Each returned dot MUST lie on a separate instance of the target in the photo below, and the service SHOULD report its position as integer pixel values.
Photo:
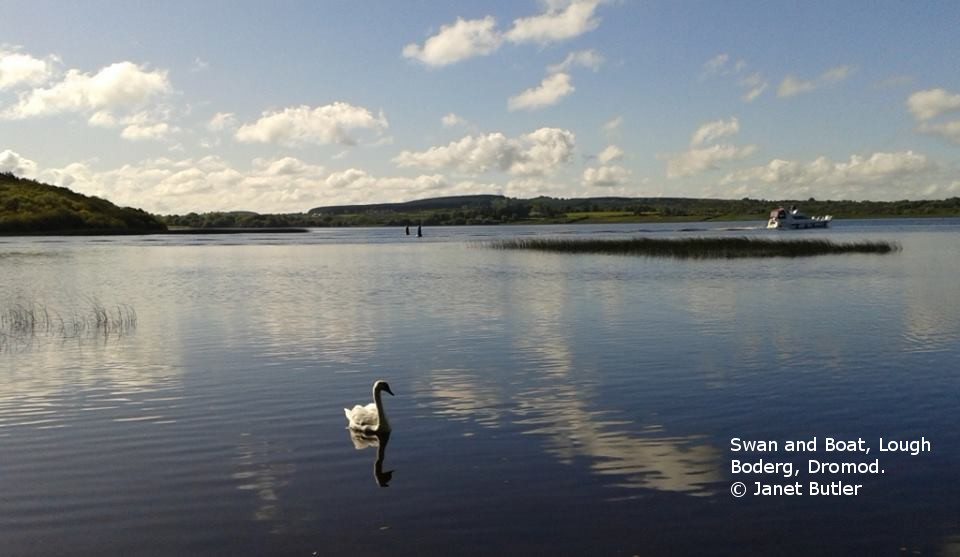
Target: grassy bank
(697, 248)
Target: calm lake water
(545, 403)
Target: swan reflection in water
(362, 441)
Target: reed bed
(697, 248)
(24, 320)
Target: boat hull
(796, 224)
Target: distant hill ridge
(642, 208)
(487, 200)
(605, 203)
(31, 207)
(450, 202)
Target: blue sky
(284, 106)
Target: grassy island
(697, 248)
(30, 207)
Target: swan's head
(382, 385)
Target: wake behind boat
(781, 218)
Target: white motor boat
(782, 218)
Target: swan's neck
(381, 415)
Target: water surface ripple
(545, 403)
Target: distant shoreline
(302, 230)
(239, 230)
(206, 231)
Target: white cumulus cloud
(286, 166)
(139, 126)
(880, 175)
(719, 65)
(17, 68)
(278, 185)
(701, 156)
(557, 84)
(16, 164)
(302, 125)
(468, 38)
(610, 154)
(792, 85)
(948, 130)
(117, 87)
(716, 64)
(461, 40)
(199, 65)
(606, 176)
(537, 153)
(930, 103)
(222, 121)
(714, 130)
(393, 188)
(755, 85)
(561, 21)
(142, 132)
(584, 58)
(553, 88)
(451, 120)
(696, 161)
(858, 168)
(612, 124)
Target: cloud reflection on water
(552, 396)
(263, 468)
(563, 407)
(456, 396)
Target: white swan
(370, 418)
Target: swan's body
(370, 418)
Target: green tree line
(546, 210)
(27, 207)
